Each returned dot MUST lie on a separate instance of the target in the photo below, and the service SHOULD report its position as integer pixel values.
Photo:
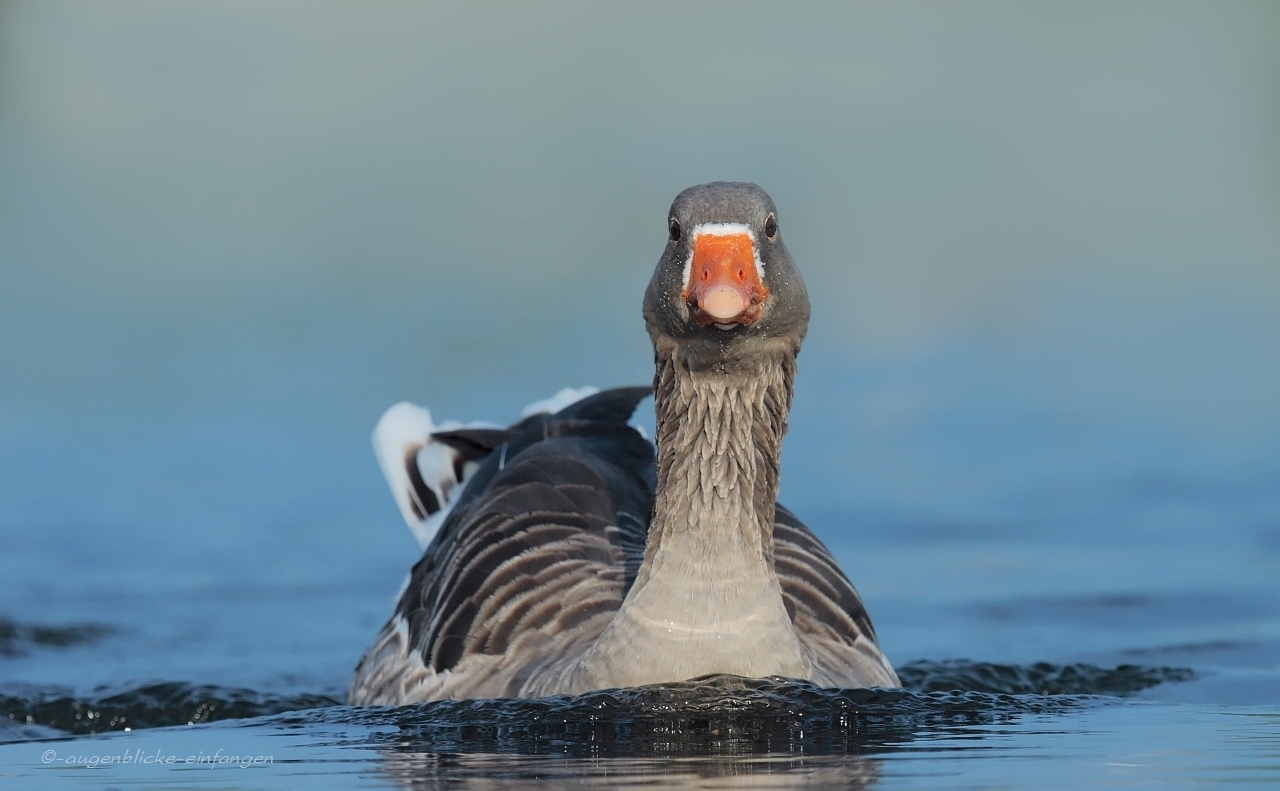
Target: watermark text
(157, 757)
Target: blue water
(1037, 417)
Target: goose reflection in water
(428, 770)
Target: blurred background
(1042, 244)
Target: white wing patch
(427, 477)
(423, 474)
(562, 399)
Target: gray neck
(706, 598)
(719, 436)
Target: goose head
(725, 291)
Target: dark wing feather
(538, 552)
(827, 612)
(474, 444)
(546, 509)
(608, 406)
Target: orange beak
(724, 285)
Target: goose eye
(674, 226)
(770, 226)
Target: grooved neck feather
(706, 598)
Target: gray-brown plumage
(576, 560)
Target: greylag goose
(564, 554)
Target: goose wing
(826, 611)
(532, 561)
(426, 473)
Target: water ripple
(1041, 678)
(709, 714)
(18, 639)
